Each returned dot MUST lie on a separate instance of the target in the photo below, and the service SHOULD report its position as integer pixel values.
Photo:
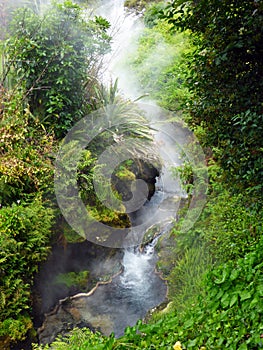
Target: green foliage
(24, 237)
(70, 279)
(223, 79)
(214, 271)
(186, 175)
(153, 14)
(228, 315)
(96, 206)
(25, 154)
(162, 75)
(235, 225)
(187, 277)
(85, 177)
(125, 174)
(80, 340)
(127, 115)
(15, 328)
(25, 218)
(54, 57)
(138, 5)
(229, 226)
(127, 121)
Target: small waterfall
(114, 305)
(139, 266)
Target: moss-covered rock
(78, 279)
(129, 171)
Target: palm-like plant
(126, 120)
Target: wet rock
(71, 313)
(101, 263)
(139, 169)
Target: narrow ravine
(128, 296)
(121, 301)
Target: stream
(135, 287)
(120, 301)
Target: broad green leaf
(260, 289)
(225, 300)
(189, 323)
(234, 274)
(233, 300)
(245, 295)
(192, 343)
(223, 277)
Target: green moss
(79, 279)
(110, 217)
(125, 174)
(150, 234)
(70, 235)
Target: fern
(2, 299)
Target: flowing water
(130, 295)
(113, 306)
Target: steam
(138, 289)
(36, 5)
(125, 29)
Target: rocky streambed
(106, 289)
(70, 269)
(114, 304)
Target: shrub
(55, 58)
(24, 237)
(26, 153)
